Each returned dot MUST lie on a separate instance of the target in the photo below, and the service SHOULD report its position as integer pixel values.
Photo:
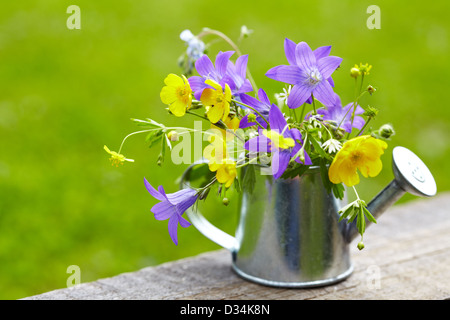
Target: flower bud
(354, 72)
(386, 131)
(360, 245)
(173, 135)
(251, 117)
(371, 89)
(225, 201)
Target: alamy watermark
(74, 20)
(75, 277)
(374, 20)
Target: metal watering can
(289, 235)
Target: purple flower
(223, 72)
(172, 207)
(336, 113)
(308, 74)
(262, 105)
(238, 74)
(281, 141)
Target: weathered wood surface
(407, 256)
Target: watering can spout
(410, 175)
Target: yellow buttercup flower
(278, 140)
(116, 158)
(177, 94)
(361, 153)
(216, 101)
(226, 171)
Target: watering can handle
(202, 224)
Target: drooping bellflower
(172, 207)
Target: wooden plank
(407, 256)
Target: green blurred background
(65, 93)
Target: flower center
(356, 157)
(314, 76)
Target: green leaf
(324, 175)
(338, 190)
(346, 211)
(153, 137)
(369, 216)
(318, 148)
(148, 123)
(361, 222)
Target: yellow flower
(216, 101)
(116, 158)
(177, 94)
(226, 171)
(278, 140)
(216, 151)
(362, 153)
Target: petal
(280, 161)
(322, 52)
(298, 96)
(289, 50)
(153, 191)
(221, 63)
(287, 74)
(168, 94)
(253, 102)
(205, 67)
(304, 56)
(262, 96)
(208, 97)
(277, 120)
(173, 228)
(163, 210)
(324, 93)
(214, 114)
(178, 108)
(328, 65)
(183, 222)
(241, 66)
(173, 80)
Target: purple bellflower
(281, 141)
(223, 72)
(262, 105)
(172, 207)
(238, 74)
(308, 74)
(343, 115)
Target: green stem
(303, 111)
(207, 31)
(364, 127)
(313, 103)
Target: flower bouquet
(305, 125)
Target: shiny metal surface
(289, 233)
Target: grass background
(65, 93)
